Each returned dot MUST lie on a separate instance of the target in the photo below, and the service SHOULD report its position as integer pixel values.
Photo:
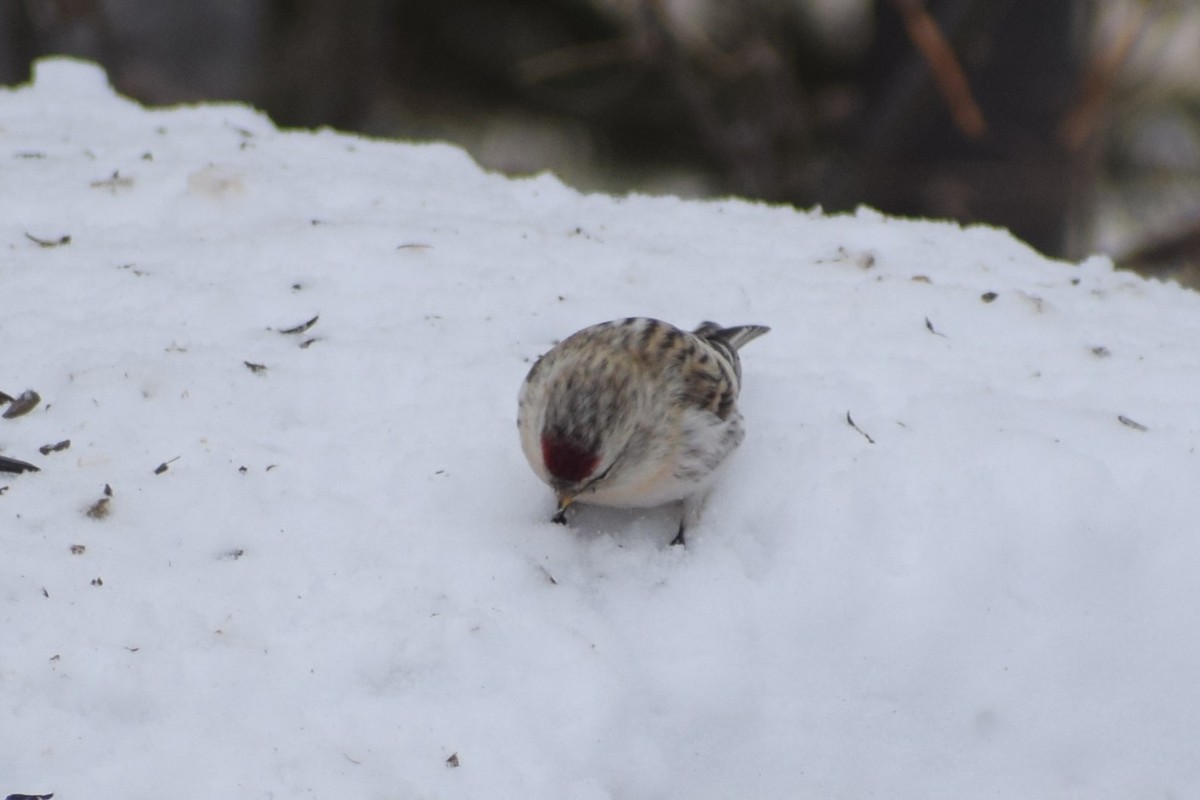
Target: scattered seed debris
(921, 279)
(58, 447)
(22, 405)
(15, 466)
(452, 761)
(232, 555)
(164, 466)
(1129, 423)
(307, 343)
(78, 549)
(302, 327)
(546, 572)
(850, 422)
(863, 259)
(1101, 352)
(31, 796)
(97, 581)
(40, 242)
(243, 469)
(132, 649)
(30, 154)
(113, 183)
(929, 326)
(988, 297)
(47, 596)
(100, 509)
(415, 246)
(255, 368)
(1039, 305)
(132, 268)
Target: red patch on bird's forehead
(566, 461)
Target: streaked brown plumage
(634, 413)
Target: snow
(347, 580)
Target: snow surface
(347, 582)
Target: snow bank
(344, 581)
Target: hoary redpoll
(635, 413)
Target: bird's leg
(689, 515)
(560, 516)
(686, 515)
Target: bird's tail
(736, 337)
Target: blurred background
(1074, 123)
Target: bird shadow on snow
(598, 541)
(605, 551)
(624, 527)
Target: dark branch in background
(951, 81)
(1166, 253)
(574, 58)
(18, 48)
(745, 105)
(1080, 124)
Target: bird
(635, 413)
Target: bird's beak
(564, 502)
